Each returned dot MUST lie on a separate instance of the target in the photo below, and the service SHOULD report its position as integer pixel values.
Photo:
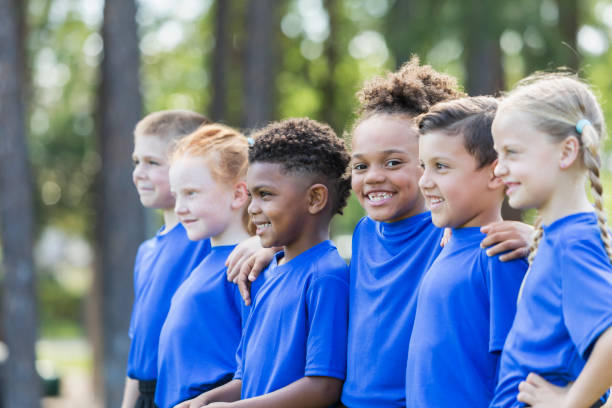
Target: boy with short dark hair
(293, 348)
(467, 300)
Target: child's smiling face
(385, 167)
(150, 174)
(203, 205)
(279, 204)
(457, 192)
(527, 159)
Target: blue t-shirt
(297, 326)
(198, 342)
(162, 264)
(565, 306)
(388, 262)
(465, 309)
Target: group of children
(437, 307)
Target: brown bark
(261, 26)
(21, 387)
(121, 220)
(220, 63)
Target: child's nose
(425, 181)
(500, 170)
(179, 206)
(374, 175)
(253, 207)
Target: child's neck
(232, 235)
(571, 200)
(170, 220)
(306, 241)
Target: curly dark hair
(306, 146)
(412, 89)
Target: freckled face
(385, 168)
(203, 205)
(150, 174)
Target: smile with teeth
(434, 201)
(262, 227)
(378, 196)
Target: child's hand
(512, 237)
(250, 270)
(240, 255)
(446, 237)
(197, 402)
(536, 392)
(218, 405)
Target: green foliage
(326, 49)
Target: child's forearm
(228, 392)
(130, 393)
(596, 376)
(307, 392)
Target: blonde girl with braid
(547, 133)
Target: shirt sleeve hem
(585, 345)
(325, 372)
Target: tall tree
(261, 25)
(22, 384)
(481, 32)
(221, 58)
(121, 219)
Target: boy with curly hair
(293, 347)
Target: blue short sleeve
(586, 278)
(503, 278)
(328, 320)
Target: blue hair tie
(581, 124)
(251, 141)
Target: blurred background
(76, 76)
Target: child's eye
(393, 163)
(441, 166)
(422, 165)
(135, 162)
(359, 166)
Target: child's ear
(317, 197)
(570, 150)
(494, 181)
(241, 195)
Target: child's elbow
(328, 388)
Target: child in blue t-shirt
(559, 351)
(293, 348)
(396, 242)
(467, 300)
(164, 261)
(198, 341)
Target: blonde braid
(533, 249)
(592, 162)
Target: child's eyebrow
(385, 152)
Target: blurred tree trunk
(22, 387)
(399, 30)
(120, 226)
(261, 24)
(331, 52)
(483, 65)
(568, 30)
(220, 63)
